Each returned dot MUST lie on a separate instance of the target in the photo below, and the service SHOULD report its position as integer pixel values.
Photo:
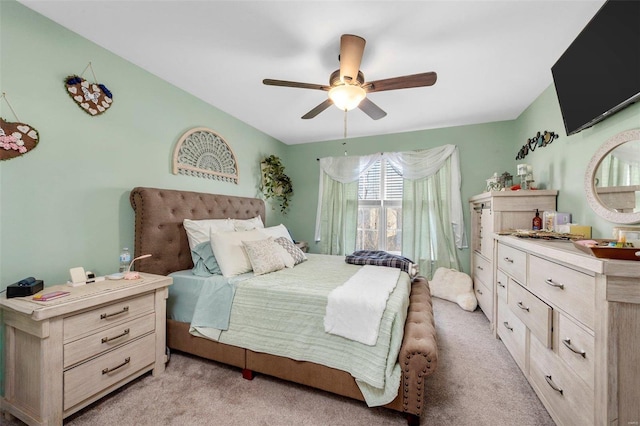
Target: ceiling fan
(347, 87)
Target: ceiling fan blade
(404, 82)
(317, 110)
(284, 83)
(351, 50)
(371, 109)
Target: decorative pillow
(230, 253)
(248, 224)
(204, 262)
(297, 255)
(199, 231)
(264, 256)
(454, 286)
(277, 231)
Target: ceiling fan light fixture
(347, 96)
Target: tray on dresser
(602, 250)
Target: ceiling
(493, 58)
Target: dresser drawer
(566, 396)
(85, 348)
(501, 285)
(482, 270)
(576, 349)
(569, 290)
(106, 316)
(512, 332)
(513, 262)
(485, 299)
(87, 379)
(533, 312)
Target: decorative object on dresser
(572, 323)
(494, 212)
(201, 152)
(93, 98)
(417, 355)
(63, 354)
(275, 183)
(16, 138)
(609, 196)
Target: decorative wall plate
(16, 139)
(92, 98)
(201, 152)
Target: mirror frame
(592, 197)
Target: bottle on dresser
(536, 223)
(125, 259)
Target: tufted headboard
(158, 223)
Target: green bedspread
(282, 314)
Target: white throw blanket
(354, 309)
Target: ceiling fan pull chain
(345, 133)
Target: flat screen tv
(599, 74)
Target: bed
(159, 215)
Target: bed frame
(158, 230)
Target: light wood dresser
(66, 353)
(572, 323)
(493, 212)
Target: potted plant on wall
(275, 183)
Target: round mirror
(612, 180)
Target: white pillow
(454, 286)
(277, 231)
(199, 231)
(248, 224)
(230, 253)
(264, 256)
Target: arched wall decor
(201, 152)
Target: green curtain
(338, 217)
(427, 234)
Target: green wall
(65, 203)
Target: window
(380, 209)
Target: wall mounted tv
(599, 74)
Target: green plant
(275, 183)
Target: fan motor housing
(334, 79)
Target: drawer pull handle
(552, 284)
(500, 284)
(567, 343)
(506, 259)
(506, 324)
(479, 291)
(123, 311)
(108, 339)
(480, 267)
(111, 370)
(553, 385)
(521, 306)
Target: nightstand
(303, 245)
(64, 354)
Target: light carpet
(476, 383)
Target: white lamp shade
(347, 96)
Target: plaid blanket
(382, 258)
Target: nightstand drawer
(110, 338)
(87, 379)
(570, 290)
(513, 262)
(533, 312)
(485, 298)
(106, 316)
